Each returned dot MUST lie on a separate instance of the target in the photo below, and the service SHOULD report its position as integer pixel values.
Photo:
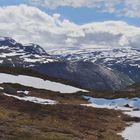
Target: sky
(85, 14)
(76, 24)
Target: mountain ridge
(86, 74)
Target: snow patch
(131, 132)
(33, 99)
(24, 92)
(38, 83)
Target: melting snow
(24, 92)
(131, 132)
(1, 88)
(33, 99)
(38, 83)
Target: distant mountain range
(97, 70)
(123, 59)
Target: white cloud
(129, 8)
(29, 24)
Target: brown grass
(24, 120)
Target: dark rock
(136, 109)
(127, 105)
(9, 90)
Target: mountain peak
(34, 49)
(29, 48)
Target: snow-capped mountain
(15, 54)
(125, 59)
(73, 67)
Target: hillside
(45, 114)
